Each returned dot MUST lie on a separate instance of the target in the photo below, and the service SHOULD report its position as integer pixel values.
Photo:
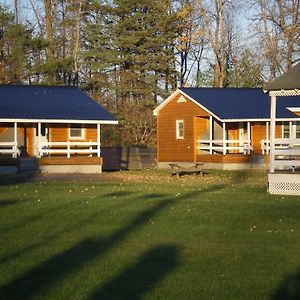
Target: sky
(25, 8)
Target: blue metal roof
(49, 102)
(241, 103)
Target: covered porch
(284, 166)
(51, 147)
(54, 122)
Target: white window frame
(296, 127)
(179, 132)
(286, 130)
(81, 137)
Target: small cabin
(55, 128)
(226, 128)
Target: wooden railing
(224, 146)
(287, 152)
(10, 148)
(68, 148)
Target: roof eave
(61, 121)
(165, 102)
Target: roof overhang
(165, 102)
(260, 120)
(282, 93)
(58, 121)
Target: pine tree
(15, 48)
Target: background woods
(128, 55)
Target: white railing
(280, 144)
(287, 152)
(224, 146)
(68, 148)
(9, 148)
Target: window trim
(79, 126)
(179, 136)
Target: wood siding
(233, 133)
(60, 133)
(27, 139)
(201, 131)
(258, 133)
(168, 147)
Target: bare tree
(77, 38)
(279, 28)
(218, 22)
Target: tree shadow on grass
(140, 278)
(52, 235)
(11, 202)
(289, 289)
(155, 196)
(56, 268)
(16, 179)
(44, 275)
(34, 218)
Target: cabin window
(179, 129)
(286, 130)
(297, 129)
(76, 132)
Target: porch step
(28, 165)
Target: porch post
(224, 138)
(248, 137)
(210, 134)
(98, 140)
(39, 139)
(267, 137)
(272, 133)
(291, 135)
(15, 153)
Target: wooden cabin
(55, 126)
(225, 128)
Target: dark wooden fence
(128, 158)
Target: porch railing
(68, 148)
(287, 152)
(280, 144)
(224, 146)
(10, 148)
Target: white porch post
(224, 138)
(210, 134)
(98, 140)
(291, 134)
(15, 140)
(267, 137)
(272, 133)
(39, 139)
(248, 137)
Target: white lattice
(284, 184)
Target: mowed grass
(145, 235)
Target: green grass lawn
(145, 235)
